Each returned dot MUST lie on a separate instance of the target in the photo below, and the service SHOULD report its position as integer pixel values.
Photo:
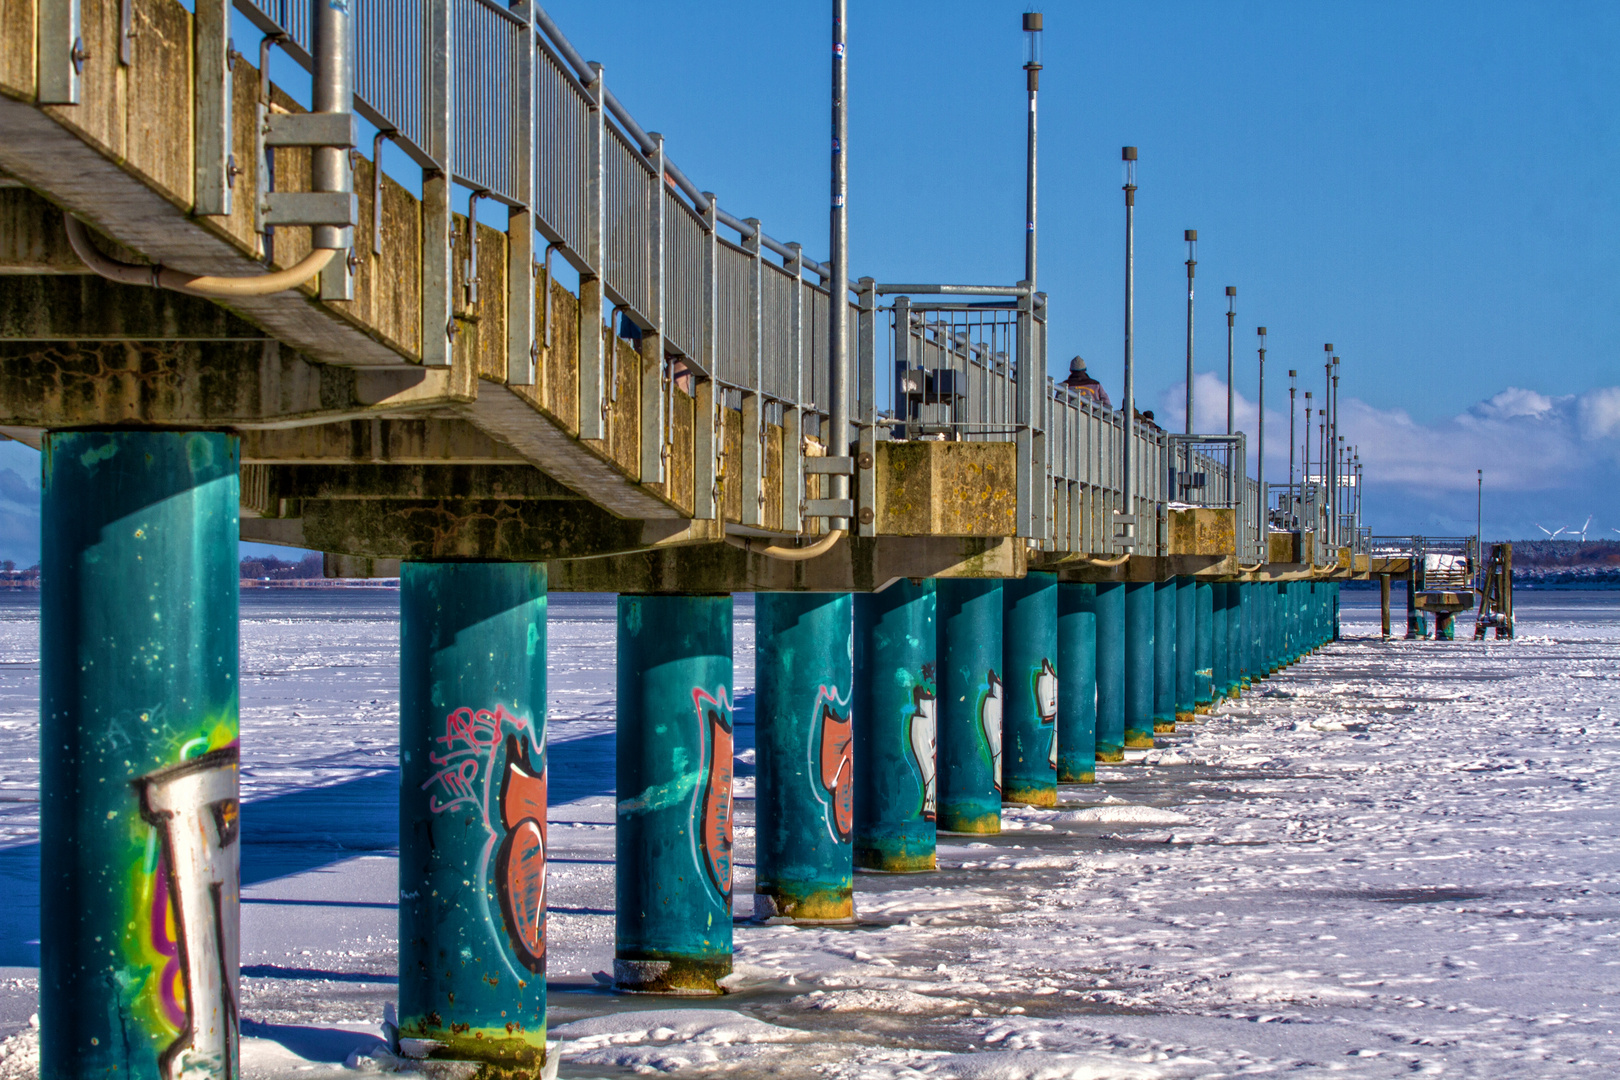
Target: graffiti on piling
(486, 762)
(835, 762)
(193, 807)
(714, 833)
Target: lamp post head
(1127, 155)
(1328, 348)
(1032, 48)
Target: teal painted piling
(972, 700)
(1139, 663)
(804, 809)
(1077, 676)
(1204, 664)
(472, 812)
(1245, 632)
(1164, 656)
(1220, 635)
(139, 850)
(1029, 649)
(1186, 649)
(1111, 652)
(896, 724)
(674, 826)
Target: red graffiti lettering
(837, 764)
(715, 833)
(520, 864)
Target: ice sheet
(1394, 858)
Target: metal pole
(1191, 236)
(1260, 475)
(1327, 446)
(1127, 462)
(332, 91)
(1333, 418)
(1305, 452)
(838, 302)
(1032, 66)
(1292, 504)
(1231, 321)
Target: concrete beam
(853, 565)
(241, 384)
(403, 441)
(84, 307)
(31, 241)
(513, 530)
(505, 482)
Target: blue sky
(1429, 187)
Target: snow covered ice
(1392, 859)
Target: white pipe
(165, 277)
(788, 554)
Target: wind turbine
(1550, 535)
(1588, 525)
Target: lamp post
(1305, 452)
(1231, 321)
(1127, 462)
(1327, 446)
(1191, 236)
(1333, 419)
(1260, 455)
(1032, 67)
(1293, 511)
(838, 255)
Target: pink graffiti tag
(469, 739)
(512, 803)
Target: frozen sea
(1392, 859)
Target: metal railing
(493, 96)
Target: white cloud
(1550, 459)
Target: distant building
(1085, 384)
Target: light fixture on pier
(1127, 156)
(1292, 512)
(1231, 323)
(1191, 236)
(1260, 453)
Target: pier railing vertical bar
(438, 132)
(592, 346)
(521, 271)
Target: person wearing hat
(1084, 383)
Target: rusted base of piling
(680, 975)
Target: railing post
(211, 109)
(655, 402)
(704, 446)
(592, 359)
(330, 170)
(865, 492)
(793, 492)
(1039, 416)
(521, 269)
(753, 401)
(903, 360)
(438, 78)
(61, 55)
(1024, 394)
